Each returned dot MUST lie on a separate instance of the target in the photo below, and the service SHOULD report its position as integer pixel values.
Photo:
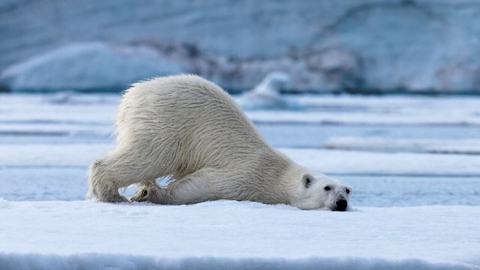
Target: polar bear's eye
(347, 190)
(327, 188)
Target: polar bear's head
(318, 192)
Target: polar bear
(189, 129)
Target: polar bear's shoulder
(177, 82)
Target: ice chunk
(89, 66)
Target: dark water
(70, 183)
(279, 135)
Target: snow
(413, 163)
(269, 235)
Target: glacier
(369, 46)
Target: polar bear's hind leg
(101, 183)
(118, 169)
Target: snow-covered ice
(251, 233)
(443, 146)
(413, 163)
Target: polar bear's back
(188, 118)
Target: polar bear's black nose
(341, 205)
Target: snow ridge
(126, 262)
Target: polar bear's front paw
(141, 195)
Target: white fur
(189, 129)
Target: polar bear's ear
(307, 180)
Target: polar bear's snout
(341, 204)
